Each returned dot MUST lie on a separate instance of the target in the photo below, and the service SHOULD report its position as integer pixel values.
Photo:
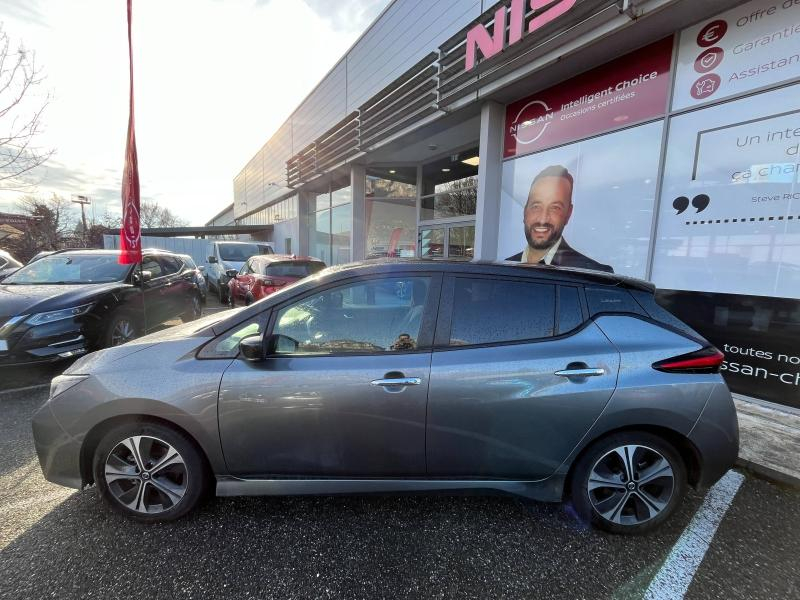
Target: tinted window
(614, 300)
(382, 315)
(189, 262)
(661, 314)
(293, 269)
(237, 252)
(570, 315)
(149, 263)
(487, 311)
(170, 264)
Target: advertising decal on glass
(753, 45)
(730, 207)
(585, 205)
(626, 91)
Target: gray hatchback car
(546, 383)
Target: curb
(768, 473)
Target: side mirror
(232, 273)
(142, 277)
(252, 348)
(280, 344)
(212, 260)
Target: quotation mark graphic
(700, 202)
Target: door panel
(501, 411)
(320, 415)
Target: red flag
(130, 235)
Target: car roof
(109, 251)
(534, 271)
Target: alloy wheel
(146, 474)
(123, 332)
(631, 485)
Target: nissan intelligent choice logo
(531, 122)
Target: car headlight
(62, 383)
(59, 315)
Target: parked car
(226, 256)
(261, 276)
(75, 301)
(8, 264)
(198, 277)
(265, 248)
(548, 383)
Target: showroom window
(330, 224)
(450, 187)
(391, 204)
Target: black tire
(249, 299)
(116, 332)
(189, 478)
(222, 291)
(195, 309)
(633, 510)
(231, 300)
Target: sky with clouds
(213, 80)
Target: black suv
(76, 301)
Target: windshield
(70, 268)
(293, 269)
(237, 252)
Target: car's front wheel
(222, 290)
(629, 482)
(194, 310)
(123, 328)
(149, 472)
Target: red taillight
(707, 360)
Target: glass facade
(330, 225)
(391, 201)
(450, 187)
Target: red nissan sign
(621, 93)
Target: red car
(262, 275)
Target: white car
(224, 256)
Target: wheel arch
(682, 444)
(92, 440)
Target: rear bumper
(716, 436)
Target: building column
(490, 176)
(305, 207)
(358, 232)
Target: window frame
(447, 303)
(427, 324)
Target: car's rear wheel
(149, 472)
(249, 299)
(123, 328)
(195, 309)
(222, 291)
(629, 483)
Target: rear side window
(487, 311)
(611, 300)
(171, 265)
(662, 315)
(570, 315)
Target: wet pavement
(61, 543)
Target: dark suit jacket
(567, 257)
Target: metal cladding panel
(239, 194)
(254, 180)
(275, 153)
(326, 106)
(408, 31)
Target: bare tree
(20, 116)
(52, 228)
(152, 214)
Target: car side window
(149, 263)
(570, 314)
(170, 265)
(245, 268)
(487, 311)
(376, 316)
(227, 345)
(251, 267)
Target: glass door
(454, 241)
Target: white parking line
(677, 572)
(26, 389)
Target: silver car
(547, 383)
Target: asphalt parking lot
(56, 542)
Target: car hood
(29, 299)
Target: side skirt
(545, 490)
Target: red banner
(130, 238)
(626, 91)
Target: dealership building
(670, 129)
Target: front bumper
(24, 345)
(59, 453)
(716, 436)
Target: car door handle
(395, 382)
(580, 373)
